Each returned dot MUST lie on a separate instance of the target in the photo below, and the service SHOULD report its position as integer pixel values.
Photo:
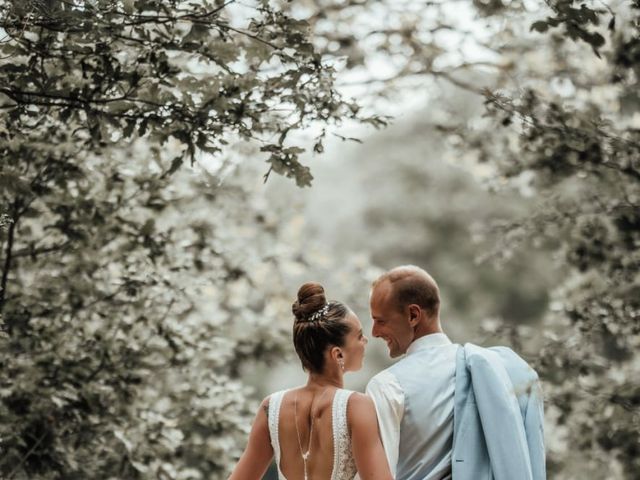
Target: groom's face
(389, 321)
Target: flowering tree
(127, 285)
(582, 154)
(559, 80)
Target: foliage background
(147, 271)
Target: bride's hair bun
(318, 325)
(311, 298)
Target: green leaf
(176, 163)
(128, 6)
(129, 128)
(148, 228)
(540, 26)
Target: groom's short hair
(412, 285)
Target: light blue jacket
(498, 417)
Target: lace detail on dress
(275, 400)
(344, 465)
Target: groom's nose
(374, 331)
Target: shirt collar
(431, 340)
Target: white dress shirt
(427, 374)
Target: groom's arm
(388, 398)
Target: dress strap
(275, 400)
(342, 457)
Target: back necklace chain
(305, 455)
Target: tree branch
(34, 252)
(27, 455)
(8, 255)
(427, 71)
(630, 171)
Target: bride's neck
(325, 379)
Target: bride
(318, 431)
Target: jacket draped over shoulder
(498, 417)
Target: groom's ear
(415, 313)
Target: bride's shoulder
(359, 397)
(271, 401)
(360, 402)
(361, 410)
(279, 393)
(275, 397)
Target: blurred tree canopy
(583, 157)
(113, 363)
(560, 80)
(128, 283)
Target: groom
(449, 411)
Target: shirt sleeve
(388, 398)
(534, 428)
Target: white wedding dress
(344, 466)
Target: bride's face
(355, 341)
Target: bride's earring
(341, 363)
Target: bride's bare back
(320, 462)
